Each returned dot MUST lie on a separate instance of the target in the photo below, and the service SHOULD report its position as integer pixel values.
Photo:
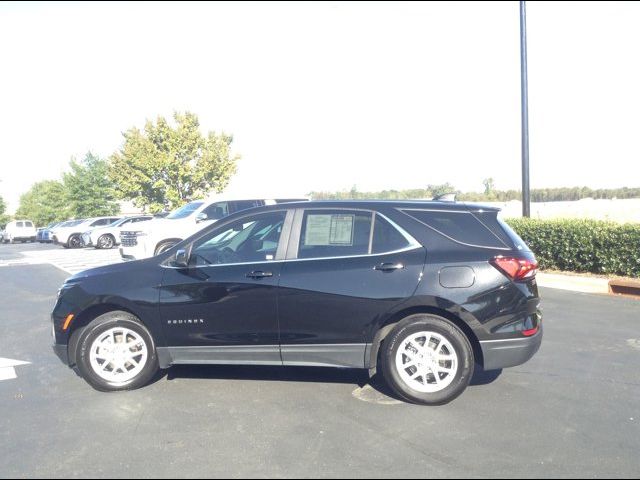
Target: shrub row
(582, 245)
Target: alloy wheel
(426, 362)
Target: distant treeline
(537, 194)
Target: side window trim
(282, 244)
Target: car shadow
(356, 377)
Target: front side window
(28, 224)
(251, 239)
(335, 233)
(19, 224)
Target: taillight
(515, 268)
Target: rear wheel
(106, 241)
(116, 352)
(427, 359)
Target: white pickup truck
(158, 235)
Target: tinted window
(386, 237)
(102, 221)
(19, 224)
(217, 210)
(460, 226)
(244, 204)
(184, 212)
(334, 233)
(28, 224)
(251, 239)
(141, 219)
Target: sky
(324, 96)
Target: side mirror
(181, 259)
(201, 217)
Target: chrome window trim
(404, 210)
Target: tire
(106, 241)
(74, 241)
(120, 373)
(448, 350)
(164, 246)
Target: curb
(573, 282)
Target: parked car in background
(109, 236)
(69, 235)
(2, 234)
(420, 292)
(159, 235)
(44, 233)
(20, 231)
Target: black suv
(419, 290)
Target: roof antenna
(445, 197)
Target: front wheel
(164, 246)
(427, 359)
(106, 241)
(116, 352)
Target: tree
(44, 203)
(489, 186)
(89, 190)
(167, 166)
(4, 219)
(437, 190)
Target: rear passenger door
(345, 268)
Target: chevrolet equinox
(418, 291)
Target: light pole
(524, 92)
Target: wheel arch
(87, 316)
(384, 330)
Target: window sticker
(342, 229)
(325, 230)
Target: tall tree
(88, 188)
(4, 219)
(167, 166)
(44, 203)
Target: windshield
(72, 223)
(119, 222)
(184, 212)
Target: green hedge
(582, 245)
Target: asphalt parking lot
(572, 411)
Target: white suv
(20, 230)
(109, 236)
(69, 234)
(161, 234)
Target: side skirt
(338, 355)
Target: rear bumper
(62, 352)
(510, 353)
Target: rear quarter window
(460, 226)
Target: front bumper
(62, 352)
(511, 352)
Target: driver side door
(223, 307)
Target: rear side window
(28, 224)
(387, 238)
(460, 226)
(335, 233)
(216, 211)
(244, 204)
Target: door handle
(257, 274)
(388, 267)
